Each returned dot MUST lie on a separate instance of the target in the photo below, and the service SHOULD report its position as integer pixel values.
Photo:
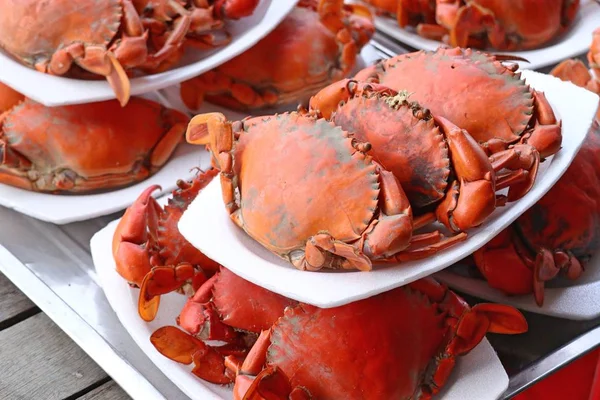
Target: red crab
(106, 37)
(488, 99)
(331, 208)
(149, 251)
(560, 232)
(281, 68)
(552, 235)
(87, 147)
(435, 161)
(322, 353)
(520, 25)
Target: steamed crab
(435, 161)
(452, 83)
(88, 147)
(331, 208)
(553, 236)
(149, 251)
(105, 37)
(306, 352)
(316, 44)
(520, 25)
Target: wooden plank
(108, 391)
(12, 303)
(39, 361)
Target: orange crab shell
(83, 148)
(463, 77)
(412, 148)
(267, 162)
(524, 24)
(299, 57)
(366, 350)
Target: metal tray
(52, 265)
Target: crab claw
(178, 346)
(481, 319)
(163, 280)
(132, 237)
(271, 383)
(199, 318)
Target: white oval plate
(54, 91)
(207, 226)
(574, 42)
(478, 375)
(580, 300)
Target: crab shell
(84, 148)
(367, 350)
(304, 53)
(227, 301)
(9, 97)
(452, 83)
(524, 24)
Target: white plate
(572, 43)
(577, 300)
(478, 375)
(230, 246)
(53, 91)
(63, 209)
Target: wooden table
(38, 360)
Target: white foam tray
(478, 375)
(54, 90)
(571, 43)
(227, 244)
(576, 300)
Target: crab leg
(546, 135)
(178, 346)
(472, 196)
(523, 160)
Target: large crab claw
(162, 280)
(183, 348)
(133, 237)
(510, 266)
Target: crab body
(322, 353)
(360, 213)
(520, 114)
(435, 161)
(305, 352)
(149, 251)
(101, 37)
(85, 148)
(525, 24)
(281, 68)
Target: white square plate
(478, 375)
(577, 300)
(54, 91)
(207, 226)
(575, 41)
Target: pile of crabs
(483, 24)
(108, 145)
(351, 182)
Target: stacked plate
(206, 224)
